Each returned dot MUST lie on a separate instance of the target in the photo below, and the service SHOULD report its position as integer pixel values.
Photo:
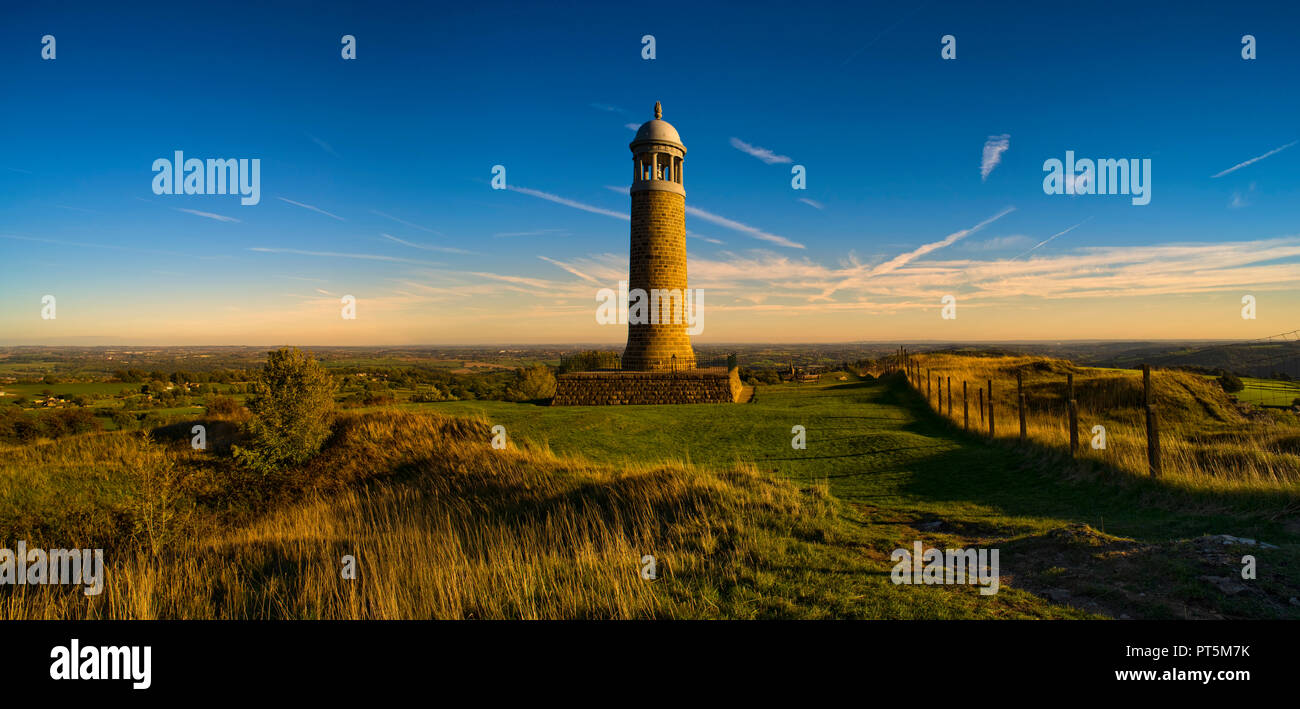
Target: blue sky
(395, 150)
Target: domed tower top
(658, 155)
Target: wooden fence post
(950, 396)
(965, 408)
(1153, 429)
(1020, 401)
(981, 391)
(938, 399)
(992, 432)
(1074, 414)
(928, 389)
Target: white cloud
(993, 149)
(812, 203)
(763, 154)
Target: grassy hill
(741, 524)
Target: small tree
(1231, 383)
(533, 383)
(292, 408)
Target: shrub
(218, 405)
(1231, 383)
(74, 421)
(122, 419)
(534, 383)
(292, 409)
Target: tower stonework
(658, 250)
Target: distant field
(105, 388)
(1268, 392)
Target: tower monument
(658, 253)
(658, 365)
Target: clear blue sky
(401, 142)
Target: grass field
(743, 525)
(1268, 392)
(68, 389)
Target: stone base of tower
(696, 386)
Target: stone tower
(658, 259)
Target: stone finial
(659, 111)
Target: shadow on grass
(1034, 479)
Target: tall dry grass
(443, 526)
(1207, 442)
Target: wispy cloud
(763, 154)
(693, 211)
(571, 203)
(1253, 160)
(336, 254)
(82, 244)
(993, 149)
(207, 215)
(314, 209)
(323, 145)
(538, 232)
(701, 237)
(570, 269)
(743, 228)
(812, 203)
(406, 223)
(1053, 236)
(998, 242)
(425, 247)
(1239, 199)
(863, 273)
(631, 126)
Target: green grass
(1074, 542)
(1268, 392)
(882, 452)
(1264, 392)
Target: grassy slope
(901, 466)
(444, 526)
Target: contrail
(1240, 165)
(1053, 236)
